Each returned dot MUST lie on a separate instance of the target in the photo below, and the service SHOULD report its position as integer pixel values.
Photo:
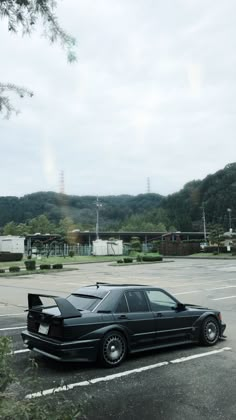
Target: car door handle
(122, 317)
(158, 314)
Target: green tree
(41, 224)
(10, 229)
(23, 16)
(66, 225)
(216, 235)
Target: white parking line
(220, 288)
(20, 351)
(196, 356)
(226, 297)
(186, 293)
(13, 328)
(121, 374)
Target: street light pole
(230, 219)
(98, 206)
(204, 223)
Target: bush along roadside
(14, 407)
(30, 265)
(14, 269)
(57, 266)
(45, 267)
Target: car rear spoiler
(66, 308)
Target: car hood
(190, 306)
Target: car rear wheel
(210, 331)
(113, 349)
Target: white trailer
(14, 244)
(110, 247)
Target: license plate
(43, 328)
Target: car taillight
(220, 316)
(56, 328)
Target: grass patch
(77, 259)
(211, 255)
(27, 273)
(13, 405)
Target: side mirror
(180, 306)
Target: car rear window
(84, 302)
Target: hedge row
(10, 256)
(32, 267)
(48, 266)
(141, 257)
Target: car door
(133, 313)
(172, 324)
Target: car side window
(122, 305)
(160, 301)
(137, 301)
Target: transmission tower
(148, 185)
(62, 182)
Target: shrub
(45, 267)
(5, 363)
(30, 265)
(71, 254)
(12, 407)
(120, 261)
(14, 269)
(128, 260)
(139, 257)
(2, 270)
(57, 266)
(152, 258)
(10, 256)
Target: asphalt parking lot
(179, 383)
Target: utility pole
(204, 223)
(230, 220)
(98, 206)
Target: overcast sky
(153, 94)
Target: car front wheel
(113, 349)
(210, 331)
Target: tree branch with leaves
(23, 16)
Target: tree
(10, 228)
(41, 224)
(23, 16)
(216, 235)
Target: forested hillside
(179, 211)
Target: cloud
(152, 94)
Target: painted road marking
(220, 288)
(186, 293)
(20, 351)
(196, 356)
(122, 374)
(13, 328)
(226, 297)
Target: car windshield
(84, 302)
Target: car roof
(100, 289)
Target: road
(189, 382)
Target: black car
(107, 321)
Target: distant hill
(181, 210)
(216, 192)
(115, 209)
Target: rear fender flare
(114, 327)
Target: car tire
(210, 331)
(113, 349)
